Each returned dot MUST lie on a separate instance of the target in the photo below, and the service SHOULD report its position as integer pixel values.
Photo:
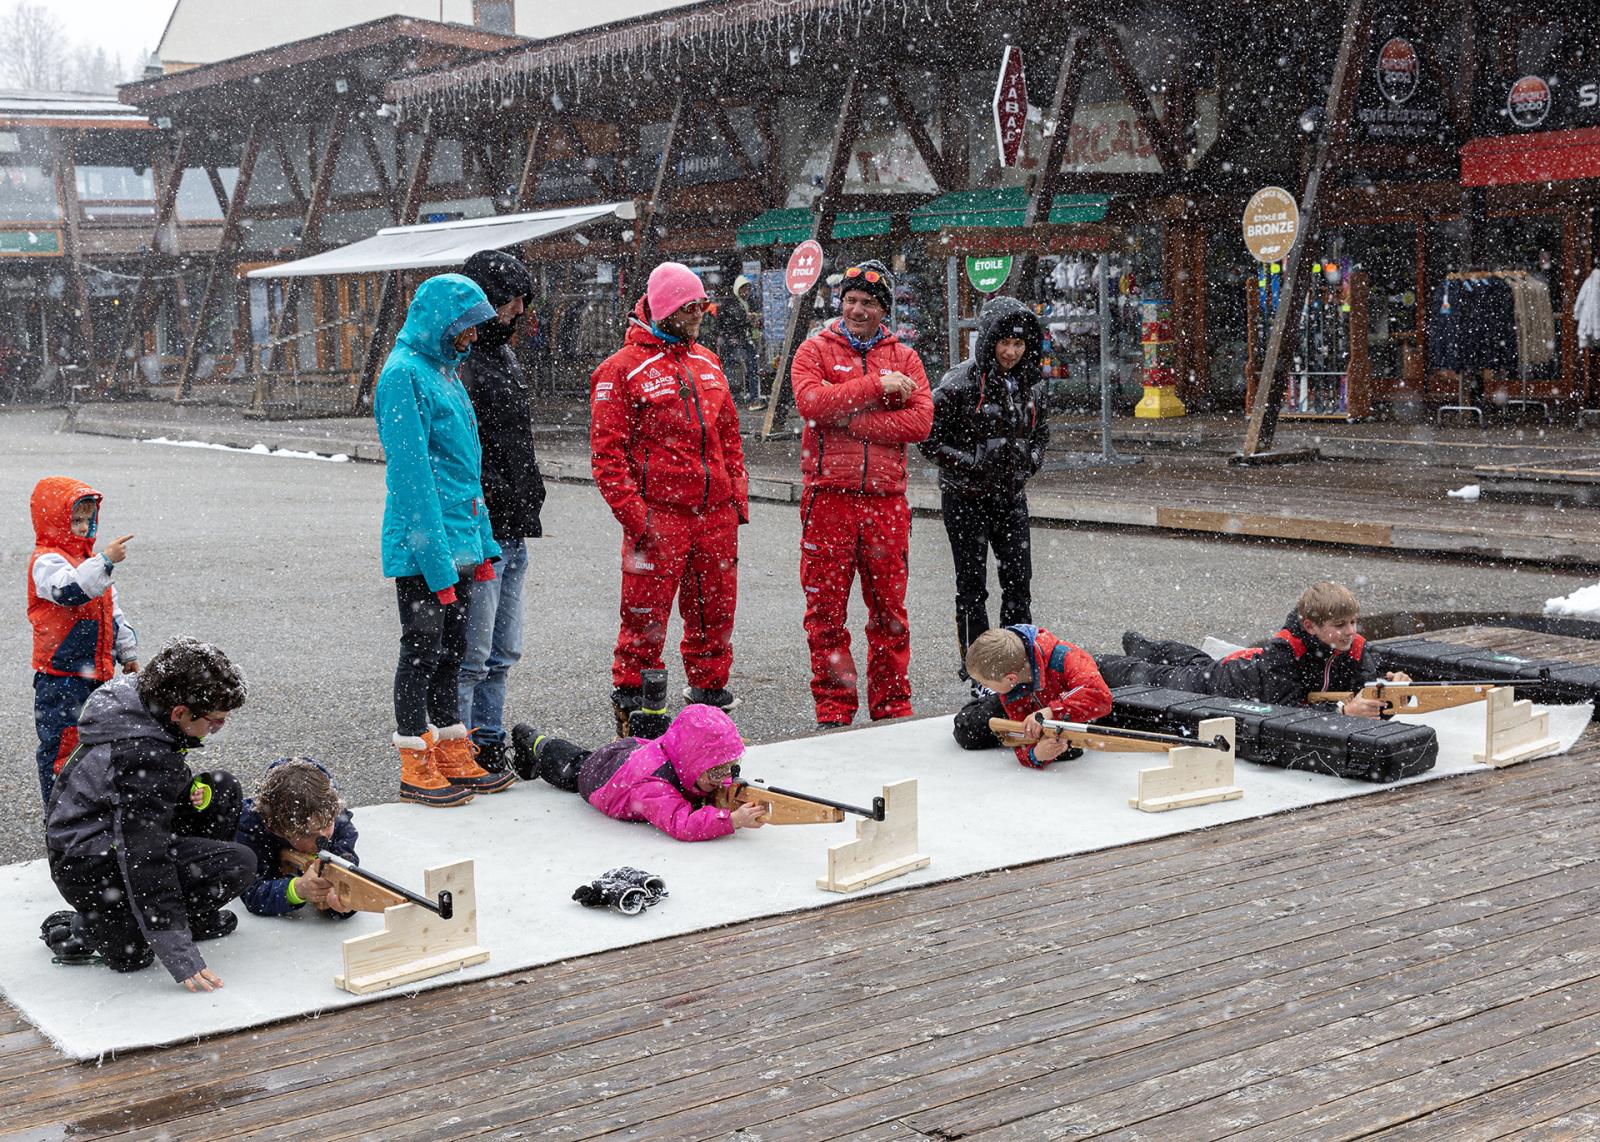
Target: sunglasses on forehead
(872, 276)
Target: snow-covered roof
(68, 106)
(205, 31)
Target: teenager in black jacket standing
(989, 436)
(513, 489)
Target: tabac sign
(1010, 106)
(1271, 221)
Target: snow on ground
(253, 450)
(1469, 492)
(1584, 603)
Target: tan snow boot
(453, 756)
(421, 783)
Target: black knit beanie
(882, 289)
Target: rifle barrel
(1219, 742)
(445, 907)
(875, 813)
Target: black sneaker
(213, 927)
(722, 698)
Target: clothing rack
(1522, 399)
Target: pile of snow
(253, 450)
(1584, 603)
(1469, 492)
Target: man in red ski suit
(664, 434)
(864, 396)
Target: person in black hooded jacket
(513, 490)
(988, 439)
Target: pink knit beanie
(671, 286)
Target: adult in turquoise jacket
(437, 542)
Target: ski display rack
(1330, 376)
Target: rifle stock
(359, 889)
(1414, 697)
(786, 807)
(1105, 739)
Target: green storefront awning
(1002, 207)
(789, 226)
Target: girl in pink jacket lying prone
(670, 782)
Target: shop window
(197, 200)
(115, 184)
(28, 194)
(1387, 255)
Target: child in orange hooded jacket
(79, 632)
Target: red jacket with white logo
(663, 429)
(1063, 681)
(853, 442)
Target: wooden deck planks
(1418, 956)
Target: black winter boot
(651, 720)
(722, 698)
(559, 761)
(625, 701)
(492, 756)
(523, 739)
(219, 924)
(64, 934)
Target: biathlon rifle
(359, 889)
(786, 807)
(1106, 739)
(1424, 697)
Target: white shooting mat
(533, 844)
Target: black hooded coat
(513, 487)
(988, 436)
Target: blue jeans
(494, 644)
(57, 702)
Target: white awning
(442, 244)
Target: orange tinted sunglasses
(857, 272)
(694, 306)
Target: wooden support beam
(953, 128)
(1063, 106)
(385, 320)
(64, 145)
(718, 115)
(1294, 284)
(310, 230)
(912, 122)
(1122, 70)
(532, 156)
(218, 187)
(138, 308)
(290, 179)
(827, 209)
(369, 143)
(219, 275)
(605, 186)
(644, 245)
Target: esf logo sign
(1528, 101)
(1398, 70)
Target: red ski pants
(842, 533)
(696, 558)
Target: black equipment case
(1429, 660)
(1287, 737)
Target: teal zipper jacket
(435, 523)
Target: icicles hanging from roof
(712, 33)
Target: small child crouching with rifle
(1027, 670)
(296, 811)
(672, 781)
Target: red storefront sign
(1010, 106)
(1549, 156)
